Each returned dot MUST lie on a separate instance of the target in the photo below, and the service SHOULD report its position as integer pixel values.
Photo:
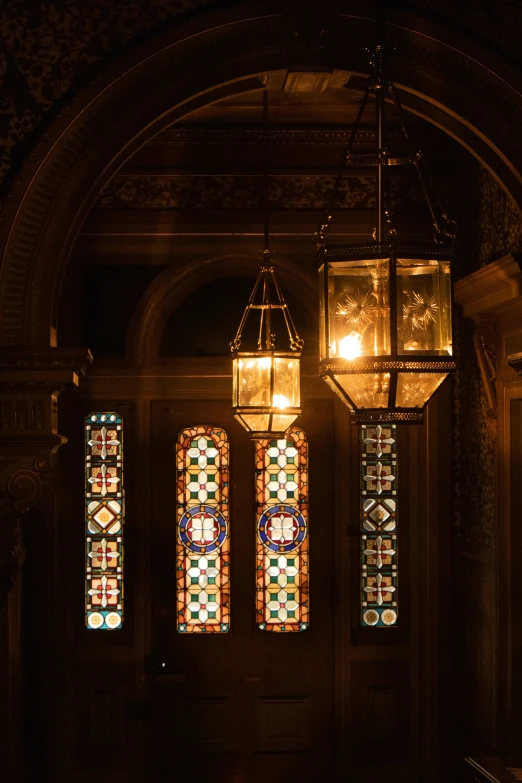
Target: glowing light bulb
(350, 346)
(265, 362)
(280, 401)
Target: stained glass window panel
(378, 508)
(282, 569)
(203, 542)
(105, 516)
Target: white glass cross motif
(202, 529)
(104, 592)
(379, 588)
(102, 551)
(379, 478)
(381, 549)
(101, 442)
(378, 440)
(203, 452)
(281, 528)
(202, 484)
(103, 479)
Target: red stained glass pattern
(282, 580)
(203, 542)
(379, 479)
(105, 516)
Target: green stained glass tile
(211, 495)
(291, 614)
(193, 580)
(211, 615)
(290, 493)
(194, 615)
(273, 444)
(273, 613)
(194, 563)
(193, 495)
(194, 444)
(291, 596)
(273, 562)
(289, 562)
(212, 563)
(291, 580)
(273, 494)
(290, 460)
(210, 444)
(273, 460)
(211, 460)
(193, 460)
(212, 580)
(273, 580)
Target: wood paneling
(283, 723)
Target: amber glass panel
(367, 390)
(253, 375)
(414, 389)
(282, 586)
(286, 383)
(424, 308)
(358, 307)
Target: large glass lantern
(385, 342)
(266, 381)
(385, 307)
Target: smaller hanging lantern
(266, 382)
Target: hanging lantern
(385, 308)
(266, 381)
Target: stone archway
(443, 77)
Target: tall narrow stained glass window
(379, 600)
(282, 580)
(203, 542)
(105, 516)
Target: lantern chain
(381, 87)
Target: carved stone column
(489, 571)
(30, 383)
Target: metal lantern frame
(266, 388)
(390, 369)
(267, 420)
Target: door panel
(246, 705)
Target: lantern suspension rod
(347, 154)
(381, 154)
(423, 173)
(266, 192)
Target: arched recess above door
(175, 283)
(449, 80)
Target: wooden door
(247, 705)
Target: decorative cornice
(491, 290)
(45, 360)
(259, 135)
(515, 361)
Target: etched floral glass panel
(105, 516)
(203, 542)
(378, 504)
(282, 578)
